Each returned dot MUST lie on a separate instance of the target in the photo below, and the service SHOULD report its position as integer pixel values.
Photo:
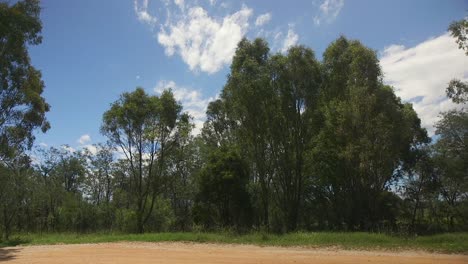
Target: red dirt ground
(141, 253)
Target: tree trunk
(140, 218)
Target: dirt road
(141, 253)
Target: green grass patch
(446, 243)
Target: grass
(445, 243)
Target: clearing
(179, 252)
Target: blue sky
(93, 50)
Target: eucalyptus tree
(267, 110)
(451, 154)
(184, 162)
(247, 98)
(452, 146)
(144, 128)
(296, 82)
(366, 134)
(22, 108)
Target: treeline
(292, 143)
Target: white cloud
(192, 100)
(290, 40)
(141, 10)
(91, 148)
(180, 3)
(68, 148)
(84, 139)
(263, 19)
(138, 77)
(421, 73)
(204, 42)
(42, 144)
(207, 42)
(329, 11)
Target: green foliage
(457, 91)
(222, 200)
(459, 30)
(22, 109)
(365, 136)
(14, 188)
(145, 128)
(451, 154)
(126, 220)
(162, 218)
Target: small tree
(144, 127)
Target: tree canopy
(22, 107)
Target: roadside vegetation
(442, 243)
(292, 143)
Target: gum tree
(144, 128)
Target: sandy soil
(129, 252)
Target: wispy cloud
(263, 19)
(141, 10)
(421, 73)
(290, 40)
(191, 99)
(328, 11)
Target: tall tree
(366, 134)
(22, 109)
(183, 164)
(296, 80)
(144, 128)
(247, 99)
